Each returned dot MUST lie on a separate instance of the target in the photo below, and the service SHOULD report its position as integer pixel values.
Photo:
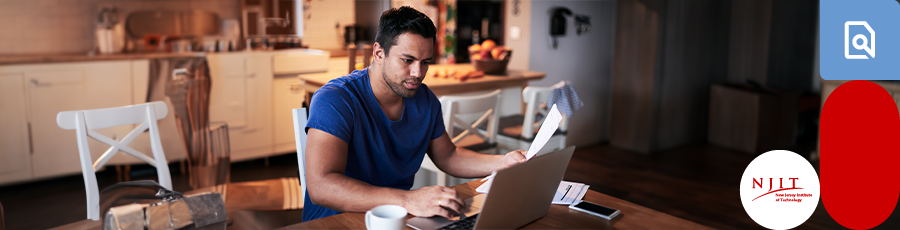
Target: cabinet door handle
(36, 82)
(294, 85)
(30, 142)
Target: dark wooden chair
(2, 223)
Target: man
(368, 131)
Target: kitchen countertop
(81, 57)
(338, 66)
(50, 58)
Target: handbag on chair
(147, 205)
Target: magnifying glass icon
(864, 45)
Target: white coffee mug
(386, 217)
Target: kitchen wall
(518, 20)
(368, 12)
(67, 26)
(584, 60)
(323, 26)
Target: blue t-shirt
(380, 152)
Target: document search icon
(847, 39)
(860, 42)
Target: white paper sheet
(551, 123)
(484, 188)
(569, 192)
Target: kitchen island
(440, 86)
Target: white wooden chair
(86, 121)
(456, 110)
(300, 119)
(518, 131)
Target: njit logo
(780, 189)
(784, 196)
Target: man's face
(405, 67)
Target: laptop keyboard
(467, 223)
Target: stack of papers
(551, 123)
(569, 192)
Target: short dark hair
(405, 19)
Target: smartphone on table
(594, 209)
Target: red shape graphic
(860, 133)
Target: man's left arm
(461, 162)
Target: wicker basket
(493, 66)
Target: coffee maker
(109, 32)
(351, 35)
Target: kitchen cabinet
(245, 94)
(287, 94)
(32, 96)
(53, 88)
(50, 92)
(241, 97)
(15, 149)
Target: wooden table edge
(467, 190)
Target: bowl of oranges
(489, 57)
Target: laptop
(519, 195)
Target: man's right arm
(326, 161)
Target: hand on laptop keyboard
(434, 201)
(461, 215)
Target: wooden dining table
(263, 195)
(440, 86)
(632, 216)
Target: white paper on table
(569, 192)
(551, 123)
(484, 188)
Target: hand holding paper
(551, 123)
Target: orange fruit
(475, 48)
(495, 53)
(488, 44)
